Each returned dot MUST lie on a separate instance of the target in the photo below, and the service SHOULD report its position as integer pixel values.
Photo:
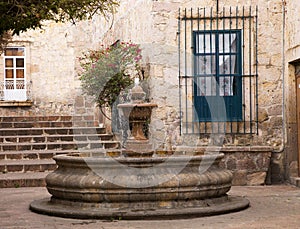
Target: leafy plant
(18, 16)
(109, 71)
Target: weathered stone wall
(153, 24)
(52, 52)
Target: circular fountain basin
(104, 187)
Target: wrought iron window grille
(227, 89)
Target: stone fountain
(139, 182)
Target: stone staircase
(28, 144)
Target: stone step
(19, 146)
(93, 137)
(16, 180)
(23, 166)
(55, 138)
(85, 124)
(42, 124)
(29, 169)
(33, 124)
(51, 118)
(36, 118)
(48, 121)
(98, 145)
(28, 144)
(32, 154)
(52, 131)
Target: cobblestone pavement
(271, 207)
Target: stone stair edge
(59, 135)
(25, 166)
(42, 124)
(8, 176)
(41, 154)
(33, 154)
(37, 151)
(52, 130)
(15, 139)
(50, 151)
(46, 117)
(27, 162)
(54, 143)
(42, 128)
(18, 180)
(59, 145)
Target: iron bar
(256, 66)
(185, 64)
(250, 69)
(243, 69)
(179, 71)
(230, 64)
(192, 58)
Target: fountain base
(141, 210)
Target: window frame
(208, 107)
(15, 86)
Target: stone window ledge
(27, 103)
(254, 148)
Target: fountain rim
(131, 105)
(138, 162)
(176, 157)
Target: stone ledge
(227, 149)
(233, 149)
(27, 103)
(248, 164)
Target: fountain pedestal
(138, 115)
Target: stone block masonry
(249, 165)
